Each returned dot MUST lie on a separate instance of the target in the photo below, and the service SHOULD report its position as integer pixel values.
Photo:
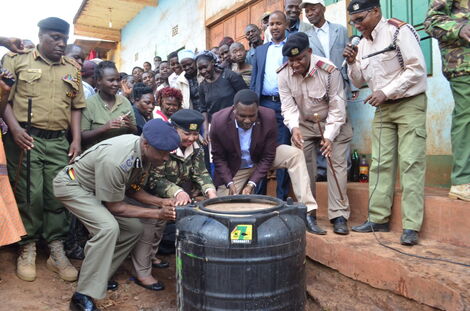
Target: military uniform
(321, 91)
(184, 171)
(399, 126)
(55, 89)
(97, 114)
(444, 22)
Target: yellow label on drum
(242, 234)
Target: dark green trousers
(45, 217)
(460, 133)
(399, 131)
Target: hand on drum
(248, 189)
(182, 198)
(232, 189)
(167, 213)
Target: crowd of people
(97, 159)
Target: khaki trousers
(146, 248)
(399, 133)
(312, 139)
(293, 160)
(112, 239)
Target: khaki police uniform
(320, 91)
(399, 126)
(184, 171)
(55, 89)
(103, 173)
(96, 114)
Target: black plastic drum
(241, 253)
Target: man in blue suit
(327, 40)
(267, 61)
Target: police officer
(93, 189)
(308, 85)
(53, 85)
(182, 178)
(397, 79)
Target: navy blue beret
(161, 135)
(188, 119)
(357, 6)
(296, 43)
(55, 24)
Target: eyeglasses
(359, 19)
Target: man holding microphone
(390, 61)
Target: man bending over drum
(244, 149)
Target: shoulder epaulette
(282, 67)
(396, 22)
(12, 54)
(325, 66)
(72, 62)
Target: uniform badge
(294, 51)
(71, 94)
(355, 6)
(193, 127)
(127, 164)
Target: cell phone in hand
(8, 81)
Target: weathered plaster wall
(150, 32)
(439, 112)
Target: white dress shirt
(323, 34)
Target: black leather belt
(44, 134)
(272, 98)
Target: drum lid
(241, 205)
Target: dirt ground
(51, 293)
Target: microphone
(354, 42)
(391, 47)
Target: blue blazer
(259, 64)
(338, 41)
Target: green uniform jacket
(444, 21)
(182, 172)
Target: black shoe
(409, 237)
(312, 225)
(340, 225)
(113, 285)
(368, 225)
(82, 302)
(162, 265)
(155, 286)
(76, 252)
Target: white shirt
(172, 79)
(274, 60)
(383, 72)
(323, 34)
(88, 90)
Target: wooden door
(233, 25)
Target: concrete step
(445, 220)
(358, 256)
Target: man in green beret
(51, 83)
